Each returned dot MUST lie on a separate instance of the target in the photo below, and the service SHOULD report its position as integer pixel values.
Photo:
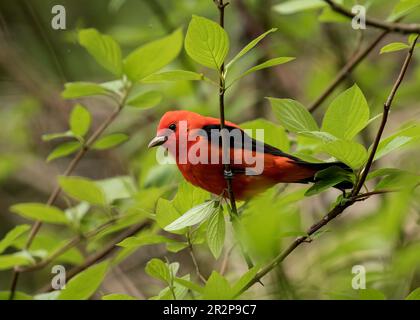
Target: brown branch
(387, 107)
(403, 28)
(56, 192)
(96, 257)
(346, 70)
(338, 209)
(67, 246)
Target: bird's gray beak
(157, 141)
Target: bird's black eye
(172, 127)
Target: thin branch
(194, 260)
(387, 107)
(403, 28)
(227, 169)
(338, 209)
(96, 257)
(346, 70)
(56, 192)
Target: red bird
(186, 135)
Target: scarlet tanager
(188, 136)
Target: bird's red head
(175, 125)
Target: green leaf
(194, 216)
(264, 65)
(40, 212)
(8, 261)
(12, 235)
(144, 239)
(74, 90)
(217, 288)
(118, 296)
(402, 8)
(351, 153)
(347, 114)
(83, 189)
(414, 295)
(274, 135)
(110, 141)
(397, 140)
(85, 284)
(153, 56)
(294, 6)
(249, 47)
(216, 233)
(158, 269)
(395, 46)
(206, 42)
(103, 48)
(80, 120)
(189, 284)
(145, 100)
(319, 135)
(244, 280)
(166, 213)
(4, 295)
(371, 294)
(292, 115)
(328, 178)
(63, 150)
(52, 136)
(174, 75)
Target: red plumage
(278, 166)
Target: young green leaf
(80, 120)
(40, 212)
(249, 47)
(206, 42)
(292, 115)
(64, 149)
(194, 216)
(103, 48)
(153, 56)
(52, 136)
(294, 6)
(85, 284)
(174, 75)
(74, 90)
(189, 284)
(274, 135)
(328, 178)
(118, 296)
(244, 280)
(144, 239)
(216, 233)
(8, 261)
(158, 269)
(347, 115)
(264, 65)
(110, 141)
(12, 235)
(145, 100)
(395, 46)
(414, 295)
(403, 8)
(371, 294)
(83, 189)
(4, 295)
(351, 153)
(217, 288)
